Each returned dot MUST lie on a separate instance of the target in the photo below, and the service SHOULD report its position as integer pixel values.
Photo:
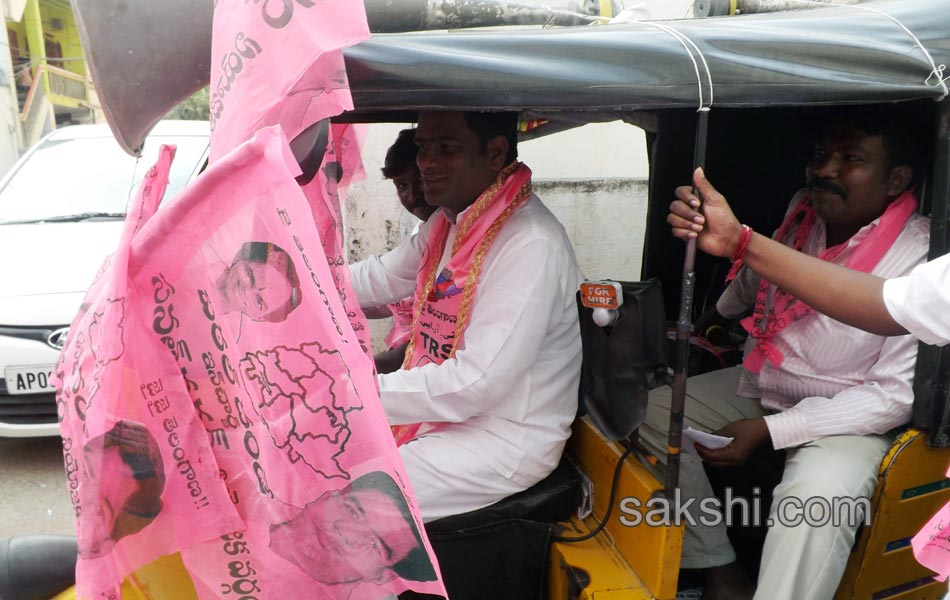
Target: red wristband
(744, 237)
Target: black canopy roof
(840, 54)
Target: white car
(61, 212)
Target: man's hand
(720, 235)
(390, 360)
(749, 434)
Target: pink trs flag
(932, 543)
(216, 401)
(279, 62)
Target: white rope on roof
(686, 42)
(937, 70)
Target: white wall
(593, 178)
(13, 9)
(9, 109)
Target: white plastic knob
(604, 316)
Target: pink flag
(932, 543)
(341, 166)
(279, 62)
(216, 401)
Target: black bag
(624, 360)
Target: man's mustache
(821, 183)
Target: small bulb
(604, 316)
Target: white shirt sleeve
(883, 402)
(386, 278)
(516, 297)
(920, 302)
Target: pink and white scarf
(767, 321)
(444, 299)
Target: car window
(88, 176)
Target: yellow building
(50, 78)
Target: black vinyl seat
(36, 567)
(501, 551)
(552, 499)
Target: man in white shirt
(400, 167)
(918, 303)
(825, 392)
(489, 388)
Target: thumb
(706, 190)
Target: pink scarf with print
(767, 321)
(443, 301)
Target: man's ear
(497, 150)
(898, 179)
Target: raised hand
(715, 228)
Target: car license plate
(29, 380)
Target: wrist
(732, 241)
(741, 243)
(739, 250)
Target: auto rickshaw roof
(829, 55)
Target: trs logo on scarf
(444, 286)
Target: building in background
(44, 82)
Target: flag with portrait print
(279, 62)
(219, 403)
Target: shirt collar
(454, 221)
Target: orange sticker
(599, 295)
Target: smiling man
(488, 390)
(261, 282)
(364, 532)
(825, 392)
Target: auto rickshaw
(758, 81)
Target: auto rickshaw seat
(35, 567)
(552, 499)
(501, 551)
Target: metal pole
(683, 327)
(715, 8)
(393, 16)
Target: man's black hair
(256, 251)
(907, 139)
(401, 156)
(416, 565)
(489, 125)
(137, 448)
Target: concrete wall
(593, 178)
(10, 130)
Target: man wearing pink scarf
(484, 401)
(825, 392)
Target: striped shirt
(835, 379)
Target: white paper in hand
(702, 438)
